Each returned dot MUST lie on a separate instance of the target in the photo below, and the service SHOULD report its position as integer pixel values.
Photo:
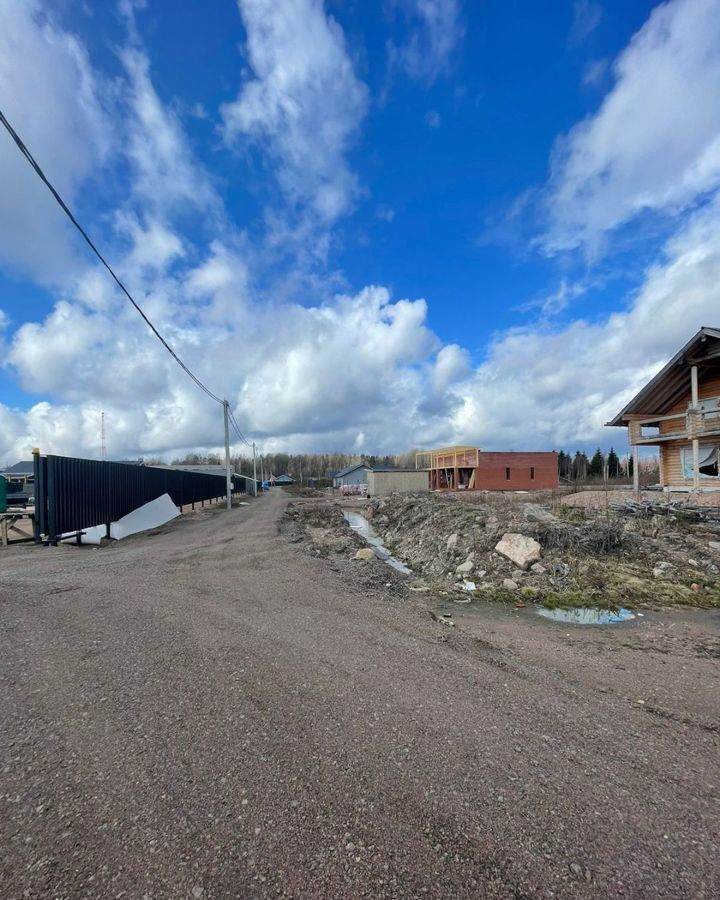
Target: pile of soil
(590, 557)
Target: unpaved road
(208, 713)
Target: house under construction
(473, 469)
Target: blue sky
(370, 225)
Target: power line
(29, 157)
(235, 425)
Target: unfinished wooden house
(679, 412)
(473, 469)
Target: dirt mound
(589, 556)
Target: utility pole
(103, 448)
(254, 471)
(228, 477)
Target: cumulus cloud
(302, 105)
(654, 144)
(559, 387)
(436, 31)
(361, 368)
(58, 112)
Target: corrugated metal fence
(72, 494)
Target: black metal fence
(73, 494)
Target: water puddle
(360, 524)
(587, 615)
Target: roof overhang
(671, 383)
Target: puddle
(360, 524)
(587, 615)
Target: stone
(538, 568)
(509, 584)
(481, 573)
(519, 549)
(517, 574)
(714, 545)
(466, 567)
(365, 553)
(452, 542)
(535, 513)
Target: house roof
(672, 383)
(20, 468)
(348, 469)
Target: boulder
(521, 550)
(365, 553)
(535, 513)
(509, 584)
(466, 567)
(452, 542)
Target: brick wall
(494, 469)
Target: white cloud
(654, 144)
(303, 104)
(166, 176)
(558, 387)
(586, 18)
(432, 118)
(385, 212)
(51, 96)
(594, 72)
(436, 32)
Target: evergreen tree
(613, 464)
(597, 464)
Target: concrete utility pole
(254, 471)
(228, 477)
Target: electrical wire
(29, 157)
(235, 425)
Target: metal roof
(672, 382)
(20, 468)
(348, 469)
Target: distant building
(281, 480)
(473, 469)
(355, 475)
(19, 470)
(385, 480)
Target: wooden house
(678, 411)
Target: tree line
(576, 466)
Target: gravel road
(207, 712)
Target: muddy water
(587, 615)
(360, 524)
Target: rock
(519, 549)
(538, 568)
(466, 567)
(714, 545)
(535, 513)
(452, 542)
(481, 573)
(517, 574)
(693, 562)
(509, 584)
(365, 553)
(695, 586)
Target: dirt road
(208, 713)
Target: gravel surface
(208, 711)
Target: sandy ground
(209, 712)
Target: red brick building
(472, 469)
